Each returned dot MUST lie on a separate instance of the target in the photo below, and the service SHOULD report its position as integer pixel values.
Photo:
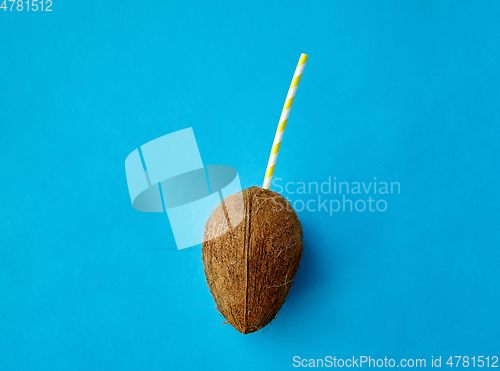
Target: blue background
(401, 91)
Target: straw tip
(302, 54)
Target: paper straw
(283, 119)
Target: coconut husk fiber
(251, 267)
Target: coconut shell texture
(251, 267)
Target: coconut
(250, 268)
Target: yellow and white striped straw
(283, 119)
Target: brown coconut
(251, 267)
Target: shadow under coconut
(312, 273)
(311, 269)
